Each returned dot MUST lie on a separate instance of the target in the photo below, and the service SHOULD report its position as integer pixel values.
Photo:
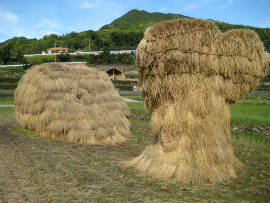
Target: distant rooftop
(58, 48)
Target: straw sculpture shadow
(71, 102)
(189, 74)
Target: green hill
(135, 16)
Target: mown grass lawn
(38, 169)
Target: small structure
(59, 49)
(115, 73)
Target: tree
(53, 37)
(106, 51)
(98, 42)
(19, 56)
(92, 34)
(73, 34)
(5, 53)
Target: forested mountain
(122, 33)
(134, 17)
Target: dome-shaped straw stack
(72, 102)
(189, 74)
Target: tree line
(264, 33)
(127, 36)
(104, 58)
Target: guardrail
(84, 62)
(85, 52)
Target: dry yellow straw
(72, 102)
(189, 74)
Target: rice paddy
(35, 169)
(42, 169)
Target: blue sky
(36, 18)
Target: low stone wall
(245, 129)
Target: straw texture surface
(189, 74)
(72, 102)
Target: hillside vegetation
(123, 33)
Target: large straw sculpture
(72, 102)
(189, 74)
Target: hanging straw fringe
(189, 74)
(72, 102)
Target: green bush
(8, 86)
(6, 95)
(132, 76)
(63, 57)
(9, 80)
(124, 82)
(107, 58)
(263, 88)
(79, 58)
(124, 88)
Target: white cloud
(88, 5)
(164, 9)
(47, 32)
(44, 22)
(114, 5)
(98, 4)
(266, 23)
(193, 6)
(8, 17)
(226, 5)
(202, 4)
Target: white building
(59, 49)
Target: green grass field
(7, 101)
(250, 114)
(38, 169)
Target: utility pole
(55, 52)
(89, 44)
(216, 17)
